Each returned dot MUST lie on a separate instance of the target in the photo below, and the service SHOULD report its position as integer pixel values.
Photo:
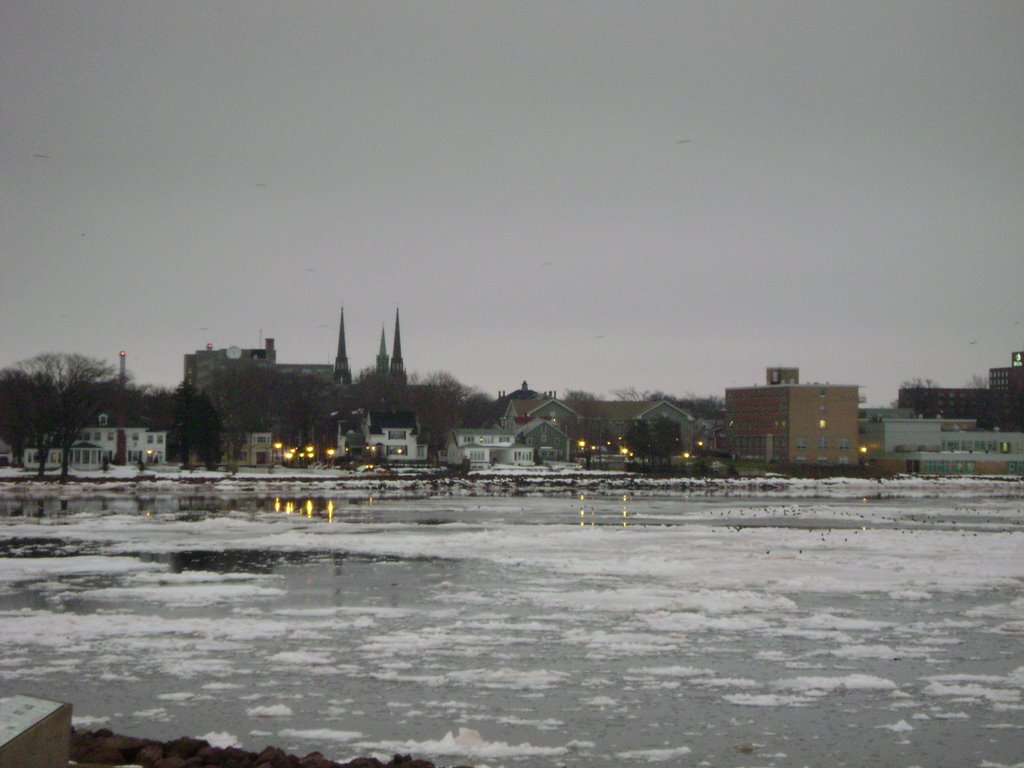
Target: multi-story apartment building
(792, 423)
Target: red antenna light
(209, 345)
(121, 353)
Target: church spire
(342, 372)
(382, 355)
(397, 365)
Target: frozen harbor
(568, 629)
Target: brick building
(793, 423)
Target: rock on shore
(103, 747)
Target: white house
(484, 447)
(392, 436)
(98, 444)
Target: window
(160, 437)
(149, 439)
(821, 423)
(396, 434)
(801, 442)
(844, 443)
(822, 442)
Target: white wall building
(484, 447)
(98, 443)
(393, 436)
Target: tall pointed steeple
(397, 365)
(342, 372)
(382, 355)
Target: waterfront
(563, 629)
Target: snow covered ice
(617, 628)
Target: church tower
(397, 366)
(382, 355)
(342, 372)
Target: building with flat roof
(788, 422)
(940, 447)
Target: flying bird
(683, 141)
(41, 157)
(259, 184)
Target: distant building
(201, 366)
(1010, 377)
(98, 445)
(1000, 405)
(549, 441)
(522, 410)
(940, 446)
(989, 407)
(393, 436)
(600, 424)
(793, 423)
(481, 448)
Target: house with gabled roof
(521, 412)
(549, 441)
(393, 436)
(617, 415)
(485, 447)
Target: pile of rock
(104, 747)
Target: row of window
(822, 459)
(978, 446)
(98, 436)
(844, 443)
(487, 439)
(91, 456)
(942, 467)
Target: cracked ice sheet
(779, 560)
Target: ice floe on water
(468, 743)
(654, 755)
(500, 631)
(270, 710)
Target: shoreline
(20, 496)
(106, 748)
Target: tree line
(46, 401)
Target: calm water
(561, 631)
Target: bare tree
(66, 391)
(27, 416)
(632, 394)
(977, 382)
(919, 383)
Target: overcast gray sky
(588, 195)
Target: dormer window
(103, 419)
